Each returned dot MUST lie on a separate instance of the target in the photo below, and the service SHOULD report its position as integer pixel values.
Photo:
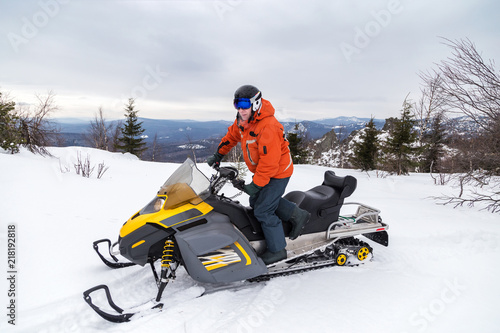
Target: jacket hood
(266, 110)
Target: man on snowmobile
(267, 155)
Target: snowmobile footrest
(119, 318)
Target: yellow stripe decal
(214, 266)
(247, 257)
(138, 243)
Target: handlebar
(225, 174)
(228, 172)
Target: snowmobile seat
(343, 186)
(324, 201)
(346, 185)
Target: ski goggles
(242, 103)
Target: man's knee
(260, 214)
(267, 218)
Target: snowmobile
(218, 240)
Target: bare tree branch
(99, 133)
(471, 86)
(37, 130)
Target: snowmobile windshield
(186, 184)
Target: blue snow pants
(267, 205)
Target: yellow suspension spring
(168, 253)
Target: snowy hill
(439, 273)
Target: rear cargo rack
(365, 221)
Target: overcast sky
(184, 59)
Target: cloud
(106, 50)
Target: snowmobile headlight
(158, 204)
(154, 206)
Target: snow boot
(271, 257)
(298, 220)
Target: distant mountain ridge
(177, 139)
(181, 131)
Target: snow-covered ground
(439, 273)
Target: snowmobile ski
(121, 315)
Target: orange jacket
(265, 148)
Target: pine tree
(296, 145)
(433, 145)
(366, 150)
(131, 131)
(399, 147)
(10, 135)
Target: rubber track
(342, 244)
(268, 277)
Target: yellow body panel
(137, 221)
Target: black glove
(215, 159)
(239, 184)
(251, 189)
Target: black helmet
(249, 93)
